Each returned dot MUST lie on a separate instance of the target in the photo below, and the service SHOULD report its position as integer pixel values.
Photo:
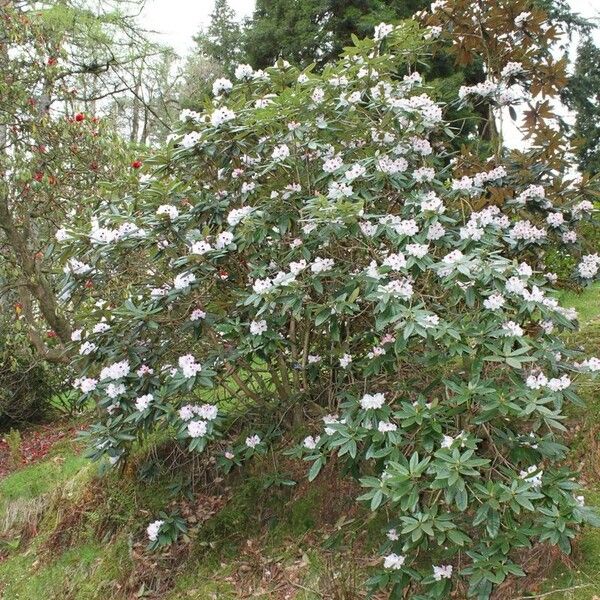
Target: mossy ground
(68, 533)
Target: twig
(306, 589)
(570, 589)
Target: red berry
(79, 117)
(136, 164)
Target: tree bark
(33, 279)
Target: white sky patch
(177, 21)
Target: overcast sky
(176, 21)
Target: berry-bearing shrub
(299, 248)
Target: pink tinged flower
(196, 429)
(310, 442)
(252, 441)
(197, 315)
(442, 572)
(208, 412)
(280, 152)
(186, 412)
(188, 365)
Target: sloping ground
(69, 532)
(579, 579)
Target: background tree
(222, 39)
(144, 111)
(199, 71)
(583, 97)
(315, 30)
(64, 60)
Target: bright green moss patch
(40, 478)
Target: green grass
(586, 303)
(85, 572)
(41, 478)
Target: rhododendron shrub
(300, 258)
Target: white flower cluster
(494, 302)
(372, 401)
(258, 327)
(221, 115)
(512, 329)
(253, 441)
(153, 530)
(207, 412)
(394, 561)
(442, 572)
(169, 210)
(591, 364)
(183, 281)
(221, 85)
(526, 231)
(555, 384)
(589, 265)
(391, 166)
(310, 442)
(237, 215)
(85, 384)
(115, 371)
(143, 402)
(532, 475)
(188, 365)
